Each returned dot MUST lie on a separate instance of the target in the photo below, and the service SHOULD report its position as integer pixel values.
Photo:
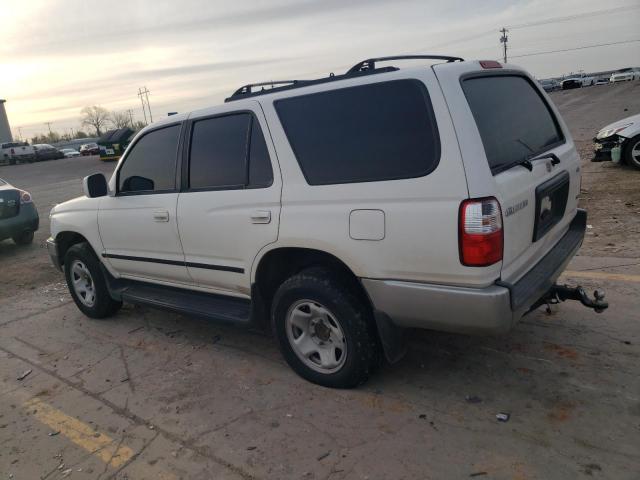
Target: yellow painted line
(99, 444)
(620, 277)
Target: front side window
(229, 152)
(374, 132)
(150, 165)
(513, 119)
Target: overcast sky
(57, 56)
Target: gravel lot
(153, 395)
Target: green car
(18, 214)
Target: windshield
(514, 121)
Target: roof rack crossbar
(370, 63)
(248, 89)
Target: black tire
(627, 154)
(352, 314)
(103, 306)
(23, 238)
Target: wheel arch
(278, 264)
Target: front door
(230, 204)
(138, 225)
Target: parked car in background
(619, 142)
(577, 80)
(288, 208)
(625, 75)
(602, 81)
(90, 149)
(70, 152)
(45, 151)
(550, 85)
(12, 152)
(18, 215)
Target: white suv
(339, 212)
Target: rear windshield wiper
(527, 163)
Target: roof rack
(370, 63)
(248, 89)
(366, 67)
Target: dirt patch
(562, 352)
(561, 412)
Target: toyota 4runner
(340, 212)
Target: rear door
(229, 206)
(502, 116)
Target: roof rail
(248, 89)
(246, 92)
(370, 63)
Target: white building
(5, 130)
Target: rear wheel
(324, 331)
(87, 284)
(632, 152)
(23, 238)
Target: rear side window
(229, 152)
(151, 163)
(514, 121)
(375, 132)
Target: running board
(207, 305)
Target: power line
(576, 16)
(531, 24)
(575, 48)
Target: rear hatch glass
(513, 121)
(516, 123)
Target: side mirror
(95, 185)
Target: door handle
(161, 216)
(261, 216)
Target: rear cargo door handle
(160, 216)
(261, 216)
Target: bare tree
(96, 117)
(119, 119)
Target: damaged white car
(619, 142)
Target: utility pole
(503, 41)
(144, 111)
(130, 117)
(144, 101)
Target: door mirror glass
(95, 185)
(137, 183)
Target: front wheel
(87, 284)
(325, 332)
(632, 152)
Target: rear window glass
(380, 131)
(514, 121)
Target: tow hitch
(561, 293)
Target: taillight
(13, 152)
(25, 197)
(481, 241)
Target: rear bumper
(491, 310)
(27, 219)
